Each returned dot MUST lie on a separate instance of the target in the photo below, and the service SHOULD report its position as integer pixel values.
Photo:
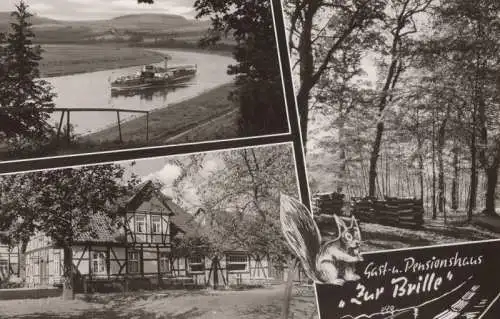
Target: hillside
(122, 28)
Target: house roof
(100, 231)
(180, 218)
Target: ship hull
(148, 84)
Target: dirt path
(245, 304)
(202, 126)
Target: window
(164, 263)
(35, 263)
(156, 224)
(98, 262)
(4, 269)
(57, 262)
(140, 223)
(237, 262)
(196, 264)
(134, 261)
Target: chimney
(165, 61)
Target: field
(70, 59)
(203, 304)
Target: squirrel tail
(301, 233)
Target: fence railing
(67, 111)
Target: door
(44, 272)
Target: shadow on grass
(116, 314)
(410, 240)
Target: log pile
(402, 212)
(363, 209)
(399, 212)
(328, 203)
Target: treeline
(425, 123)
(181, 44)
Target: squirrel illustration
(330, 262)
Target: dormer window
(140, 224)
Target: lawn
(167, 304)
(64, 59)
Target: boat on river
(151, 76)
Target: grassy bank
(207, 117)
(71, 59)
(66, 59)
(189, 118)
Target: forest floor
(166, 304)
(434, 232)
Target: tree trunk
(215, 263)
(434, 212)
(421, 172)
(342, 158)
(440, 147)
(395, 70)
(303, 106)
(492, 180)
(372, 175)
(22, 261)
(473, 178)
(306, 71)
(292, 265)
(454, 182)
(68, 278)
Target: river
(93, 90)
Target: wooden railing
(69, 110)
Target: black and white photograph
(87, 76)
(400, 116)
(400, 120)
(186, 236)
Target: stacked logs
(399, 212)
(363, 209)
(402, 212)
(328, 203)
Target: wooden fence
(68, 111)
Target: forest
(400, 98)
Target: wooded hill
(122, 28)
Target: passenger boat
(152, 76)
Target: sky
(100, 9)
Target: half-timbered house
(140, 252)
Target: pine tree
(26, 99)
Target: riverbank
(208, 116)
(68, 59)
